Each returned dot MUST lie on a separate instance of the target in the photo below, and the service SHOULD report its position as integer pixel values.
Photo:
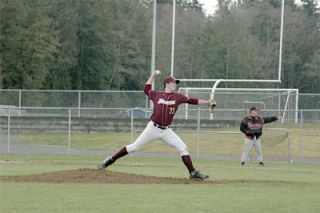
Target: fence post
(198, 134)
(69, 132)
(296, 108)
(8, 139)
(186, 106)
(301, 134)
(279, 104)
(20, 101)
(79, 103)
(289, 149)
(131, 126)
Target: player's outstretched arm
(270, 119)
(211, 102)
(153, 74)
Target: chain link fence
(90, 122)
(232, 102)
(119, 98)
(101, 131)
(72, 98)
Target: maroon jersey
(165, 105)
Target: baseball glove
(212, 103)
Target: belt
(252, 137)
(160, 127)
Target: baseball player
(251, 126)
(165, 106)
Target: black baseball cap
(254, 108)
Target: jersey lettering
(162, 101)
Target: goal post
(279, 71)
(283, 102)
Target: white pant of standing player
(247, 147)
(152, 133)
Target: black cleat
(242, 163)
(196, 175)
(261, 164)
(105, 164)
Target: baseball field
(148, 184)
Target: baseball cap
(253, 108)
(169, 79)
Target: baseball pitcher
(251, 126)
(165, 104)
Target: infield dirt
(88, 175)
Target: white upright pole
(173, 34)
(281, 38)
(153, 48)
(154, 28)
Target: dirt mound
(87, 175)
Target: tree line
(106, 44)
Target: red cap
(169, 79)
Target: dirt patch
(87, 175)
(11, 162)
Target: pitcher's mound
(87, 175)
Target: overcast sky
(210, 5)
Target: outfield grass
(275, 143)
(288, 188)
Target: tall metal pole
(281, 38)
(153, 48)
(173, 34)
(154, 28)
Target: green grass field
(286, 187)
(274, 142)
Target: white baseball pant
(152, 133)
(247, 147)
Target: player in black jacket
(251, 126)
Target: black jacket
(252, 126)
